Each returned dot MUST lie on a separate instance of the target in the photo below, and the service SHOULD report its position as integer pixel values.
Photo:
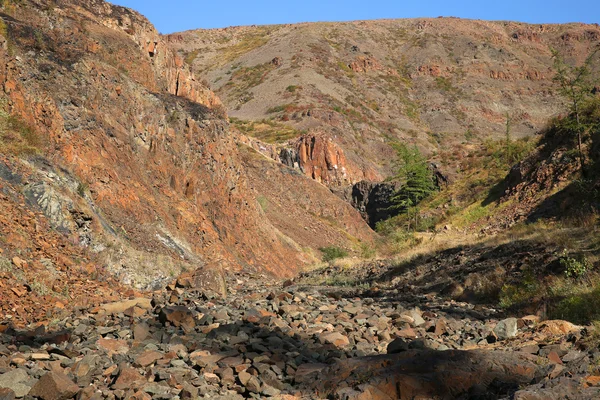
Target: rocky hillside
(335, 94)
(121, 163)
(150, 250)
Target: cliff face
(435, 83)
(133, 162)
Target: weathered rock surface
(371, 199)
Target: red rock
(147, 358)
(112, 346)
(128, 378)
(54, 386)
(178, 316)
(554, 357)
(592, 380)
(7, 394)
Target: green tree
(576, 84)
(416, 180)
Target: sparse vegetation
(574, 267)
(16, 136)
(331, 253)
(191, 56)
(576, 84)
(268, 131)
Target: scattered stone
(16, 380)
(178, 316)
(397, 345)
(54, 386)
(507, 328)
(335, 338)
(7, 394)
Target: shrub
(330, 253)
(574, 267)
(367, 251)
(514, 296)
(579, 308)
(292, 88)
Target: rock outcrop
(318, 157)
(371, 199)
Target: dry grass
(16, 137)
(251, 41)
(266, 130)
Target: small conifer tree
(576, 84)
(416, 180)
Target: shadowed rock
(428, 374)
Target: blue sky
(179, 15)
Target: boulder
(54, 386)
(507, 328)
(208, 279)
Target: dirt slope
(432, 82)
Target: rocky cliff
(127, 154)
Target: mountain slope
(127, 153)
(432, 82)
